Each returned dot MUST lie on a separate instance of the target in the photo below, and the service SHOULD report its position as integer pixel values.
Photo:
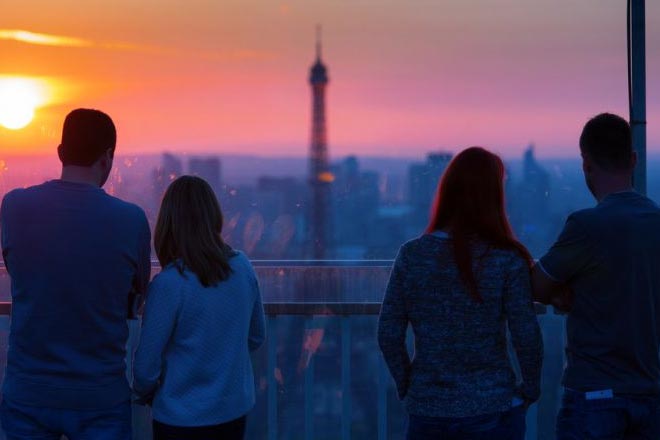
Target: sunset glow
(19, 98)
(231, 76)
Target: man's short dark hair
(87, 134)
(607, 139)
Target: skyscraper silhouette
(320, 177)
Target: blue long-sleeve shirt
(74, 254)
(460, 367)
(194, 352)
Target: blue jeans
(508, 425)
(612, 418)
(23, 422)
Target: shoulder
(579, 224)
(12, 197)
(131, 215)
(21, 198)
(240, 262)
(239, 257)
(513, 259)
(584, 216)
(421, 252)
(422, 243)
(407, 250)
(169, 278)
(15, 193)
(650, 202)
(131, 210)
(19, 195)
(167, 287)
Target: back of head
(188, 231)
(469, 203)
(470, 195)
(86, 135)
(606, 139)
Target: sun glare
(19, 98)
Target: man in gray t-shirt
(604, 270)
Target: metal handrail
(322, 263)
(311, 308)
(300, 263)
(329, 308)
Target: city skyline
(405, 80)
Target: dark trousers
(232, 430)
(24, 422)
(613, 418)
(508, 425)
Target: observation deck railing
(320, 374)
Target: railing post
(4, 323)
(309, 390)
(141, 415)
(346, 394)
(552, 329)
(383, 383)
(532, 419)
(272, 381)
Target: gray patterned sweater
(460, 367)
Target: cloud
(41, 39)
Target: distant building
(536, 184)
(534, 190)
(170, 168)
(209, 169)
(530, 210)
(289, 192)
(281, 201)
(423, 181)
(355, 203)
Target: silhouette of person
(459, 286)
(203, 317)
(76, 257)
(604, 270)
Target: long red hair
(469, 203)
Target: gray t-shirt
(610, 257)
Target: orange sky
(406, 77)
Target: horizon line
(196, 154)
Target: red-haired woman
(459, 286)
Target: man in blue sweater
(76, 256)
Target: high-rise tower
(320, 177)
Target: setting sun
(19, 98)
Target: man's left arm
(549, 291)
(571, 255)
